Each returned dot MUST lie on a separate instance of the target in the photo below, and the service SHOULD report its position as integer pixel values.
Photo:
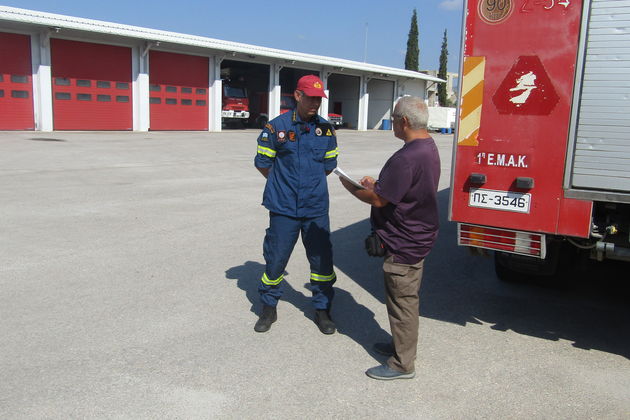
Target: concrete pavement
(128, 271)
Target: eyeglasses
(394, 116)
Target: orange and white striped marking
(472, 99)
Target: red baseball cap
(311, 85)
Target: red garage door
(16, 83)
(178, 91)
(91, 86)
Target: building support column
(323, 109)
(215, 94)
(141, 93)
(42, 81)
(275, 91)
(364, 99)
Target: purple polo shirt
(409, 224)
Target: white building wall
(381, 102)
(345, 89)
(412, 87)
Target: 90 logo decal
(495, 11)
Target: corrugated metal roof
(53, 20)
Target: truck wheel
(504, 272)
(558, 270)
(262, 121)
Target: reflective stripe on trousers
(280, 240)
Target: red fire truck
(235, 104)
(541, 159)
(234, 100)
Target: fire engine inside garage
(65, 73)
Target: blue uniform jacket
(299, 154)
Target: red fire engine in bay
(234, 100)
(541, 159)
(235, 104)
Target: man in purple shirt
(405, 218)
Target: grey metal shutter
(602, 149)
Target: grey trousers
(402, 286)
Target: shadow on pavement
(247, 278)
(351, 258)
(457, 287)
(352, 319)
(45, 139)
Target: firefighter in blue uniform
(296, 151)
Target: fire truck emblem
(525, 83)
(495, 11)
(526, 89)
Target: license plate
(499, 200)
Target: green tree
(441, 88)
(413, 52)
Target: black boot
(268, 317)
(323, 321)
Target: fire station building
(65, 73)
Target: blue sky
(331, 28)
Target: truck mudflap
(512, 241)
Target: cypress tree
(413, 52)
(442, 99)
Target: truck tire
(262, 121)
(558, 269)
(503, 270)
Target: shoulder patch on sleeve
(270, 128)
(324, 129)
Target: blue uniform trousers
(280, 240)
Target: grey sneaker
(385, 373)
(386, 349)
